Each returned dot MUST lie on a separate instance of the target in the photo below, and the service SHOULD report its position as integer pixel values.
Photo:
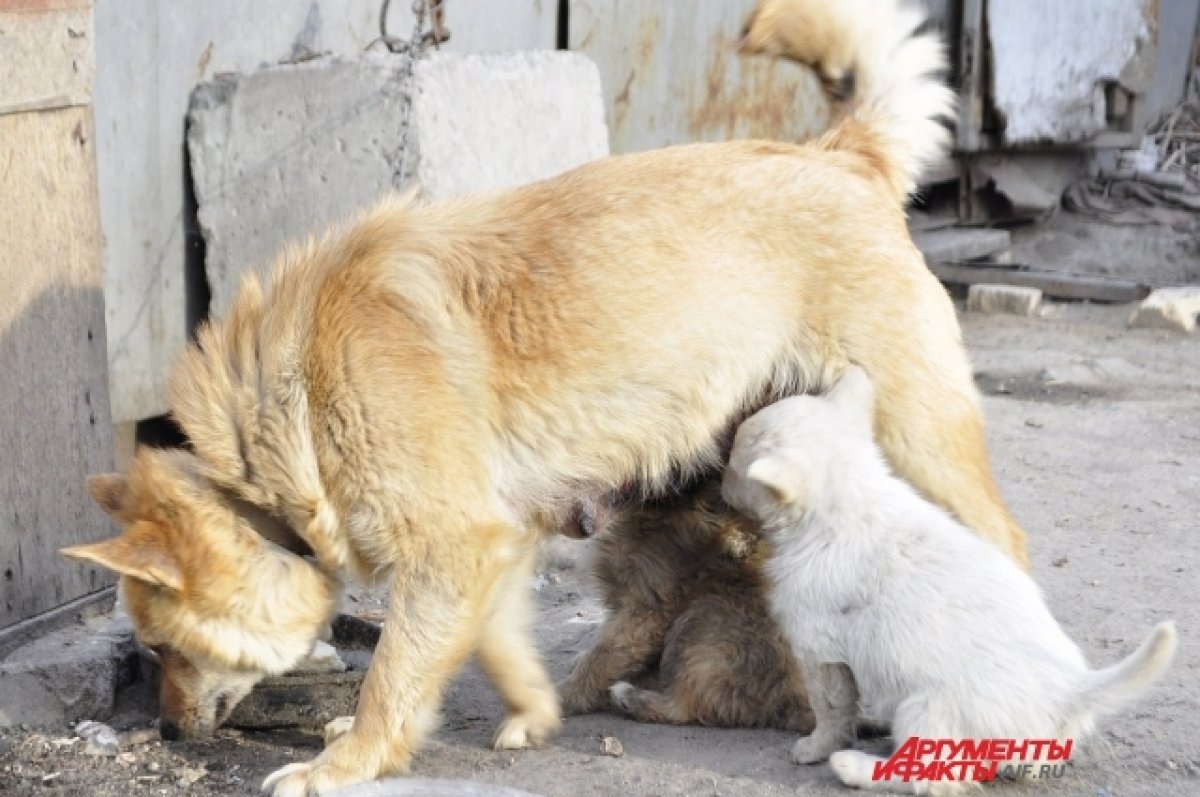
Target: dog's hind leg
(928, 419)
(646, 705)
(510, 660)
(629, 642)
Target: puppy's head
(789, 454)
(219, 604)
(811, 32)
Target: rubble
(611, 746)
(101, 740)
(1006, 299)
(1168, 308)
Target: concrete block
(1007, 299)
(1168, 308)
(150, 240)
(284, 152)
(67, 676)
(481, 122)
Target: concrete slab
(1009, 299)
(1169, 308)
(957, 244)
(284, 152)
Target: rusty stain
(759, 105)
(621, 101)
(202, 64)
(651, 25)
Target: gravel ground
(1095, 433)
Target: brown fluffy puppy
(681, 579)
(421, 395)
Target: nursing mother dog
(419, 396)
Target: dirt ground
(1095, 433)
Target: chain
(410, 50)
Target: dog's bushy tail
(1105, 691)
(893, 73)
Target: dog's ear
(140, 552)
(109, 490)
(855, 393)
(778, 476)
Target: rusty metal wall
(671, 74)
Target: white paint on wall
(1052, 59)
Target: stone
(1168, 308)
(68, 675)
(611, 746)
(284, 152)
(101, 740)
(1007, 299)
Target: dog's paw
(621, 694)
(308, 779)
(336, 727)
(853, 769)
(811, 749)
(525, 730)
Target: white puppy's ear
(778, 476)
(855, 393)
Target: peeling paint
(1052, 62)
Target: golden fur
(682, 581)
(420, 395)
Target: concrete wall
(150, 54)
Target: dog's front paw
(812, 749)
(526, 730)
(309, 779)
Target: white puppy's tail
(1105, 691)
(873, 51)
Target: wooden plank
(54, 414)
(45, 58)
(40, 6)
(1054, 284)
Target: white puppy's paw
(812, 749)
(336, 727)
(620, 694)
(853, 769)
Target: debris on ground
(1007, 299)
(322, 658)
(1168, 308)
(611, 746)
(100, 739)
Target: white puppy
(887, 600)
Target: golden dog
(422, 394)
